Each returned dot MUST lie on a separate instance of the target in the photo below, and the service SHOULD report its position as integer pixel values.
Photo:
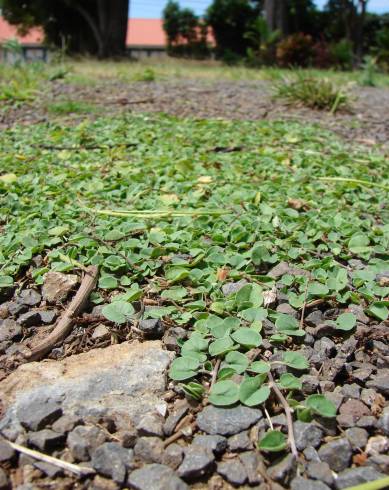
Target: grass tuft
(315, 93)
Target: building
(145, 37)
(29, 47)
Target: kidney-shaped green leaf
(224, 393)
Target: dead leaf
(269, 296)
(378, 405)
(205, 179)
(360, 459)
(222, 273)
(298, 204)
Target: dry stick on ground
(186, 431)
(73, 468)
(304, 305)
(214, 372)
(288, 413)
(66, 321)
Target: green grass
(65, 107)
(316, 93)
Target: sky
(152, 8)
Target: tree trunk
(359, 31)
(275, 14)
(117, 22)
(109, 27)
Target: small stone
(357, 437)
(356, 476)
(197, 462)
(383, 422)
(250, 461)
(314, 319)
(377, 445)
(311, 454)
(354, 408)
(367, 422)
(156, 477)
(325, 346)
(152, 329)
(233, 471)
(48, 316)
(310, 384)
(345, 420)
(357, 311)
(320, 471)
(300, 483)
(380, 462)
(150, 425)
(379, 383)
(29, 297)
(16, 308)
(240, 442)
(38, 414)
(351, 391)
(227, 421)
(30, 319)
(4, 482)
(174, 417)
(287, 309)
(307, 435)
(112, 460)
(101, 483)
(149, 449)
(172, 336)
(173, 456)
(284, 470)
(337, 454)
(361, 374)
(217, 444)
(83, 440)
(100, 332)
(126, 438)
(327, 386)
(336, 398)
(46, 440)
(6, 451)
(9, 330)
(48, 469)
(57, 286)
(368, 396)
(66, 423)
(233, 287)
(279, 420)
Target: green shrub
(342, 54)
(316, 93)
(369, 71)
(147, 75)
(295, 50)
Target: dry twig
(73, 468)
(66, 321)
(288, 413)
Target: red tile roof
(140, 32)
(145, 32)
(35, 36)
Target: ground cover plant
(231, 232)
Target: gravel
(356, 476)
(156, 477)
(336, 453)
(307, 435)
(227, 421)
(197, 462)
(233, 471)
